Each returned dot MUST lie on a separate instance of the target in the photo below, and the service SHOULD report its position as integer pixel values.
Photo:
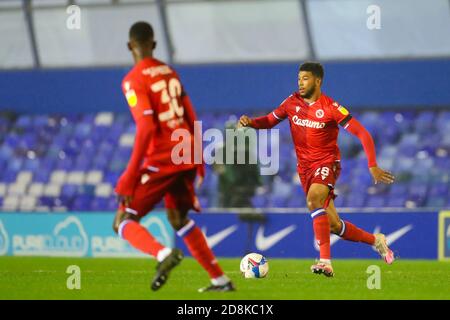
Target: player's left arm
(142, 113)
(191, 117)
(346, 120)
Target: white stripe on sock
(121, 226)
(343, 228)
(327, 261)
(318, 211)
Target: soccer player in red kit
(159, 106)
(314, 119)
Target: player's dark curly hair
(141, 32)
(314, 67)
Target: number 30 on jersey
(170, 93)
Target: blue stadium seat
(99, 204)
(112, 177)
(69, 190)
(435, 202)
(82, 203)
(297, 202)
(64, 164)
(42, 175)
(376, 201)
(278, 202)
(32, 165)
(414, 145)
(340, 201)
(356, 200)
(439, 189)
(398, 189)
(396, 201)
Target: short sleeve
(280, 112)
(137, 99)
(340, 114)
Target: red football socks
(321, 227)
(352, 233)
(198, 247)
(139, 237)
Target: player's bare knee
(314, 201)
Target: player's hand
(125, 188)
(244, 121)
(380, 175)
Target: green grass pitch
(288, 279)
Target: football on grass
(254, 265)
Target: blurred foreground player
(160, 106)
(314, 119)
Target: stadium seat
(82, 203)
(73, 161)
(28, 203)
(3, 189)
(103, 190)
(36, 189)
(11, 203)
(396, 201)
(376, 201)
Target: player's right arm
(142, 113)
(265, 122)
(348, 122)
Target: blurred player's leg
(128, 227)
(196, 243)
(348, 231)
(345, 229)
(179, 200)
(317, 194)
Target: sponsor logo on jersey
(297, 109)
(308, 123)
(319, 113)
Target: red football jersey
(153, 89)
(314, 128)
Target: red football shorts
(176, 188)
(326, 174)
